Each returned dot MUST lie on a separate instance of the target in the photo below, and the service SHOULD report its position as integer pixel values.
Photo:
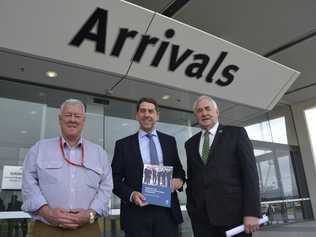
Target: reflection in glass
(270, 187)
(273, 130)
(287, 176)
(310, 115)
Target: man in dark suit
(138, 219)
(222, 184)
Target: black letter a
(98, 17)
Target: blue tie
(152, 150)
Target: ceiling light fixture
(166, 97)
(51, 74)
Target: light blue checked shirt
(49, 179)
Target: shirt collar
(212, 130)
(64, 142)
(142, 133)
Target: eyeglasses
(76, 116)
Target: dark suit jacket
(127, 169)
(227, 186)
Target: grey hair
(72, 102)
(202, 97)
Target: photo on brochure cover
(156, 185)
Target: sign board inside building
(12, 177)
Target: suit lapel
(195, 146)
(136, 151)
(163, 145)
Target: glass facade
(29, 113)
(310, 115)
(283, 187)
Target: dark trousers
(202, 230)
(156, 222)
(202, 227)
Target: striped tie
(206, 145)
(152, 150)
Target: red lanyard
(66, 159)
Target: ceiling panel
(239, 114)
(303, 57)
(133, 89)
(31, 69)
(254, 24)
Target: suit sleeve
(178, 171)
(189, 175)
(250, 180)
(121, 189)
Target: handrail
(286, 200)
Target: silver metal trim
(116, 212)
(14, 215)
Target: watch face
(91, 217)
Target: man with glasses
(67, 180)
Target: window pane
(287, 176)
(310, 115)
(269, 131)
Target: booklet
(156, 185)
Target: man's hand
(138, 199)
(251, 224)
(176, 183)
(80, 215)
(58, 217)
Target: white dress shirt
(212, 133)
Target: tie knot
(206, 133)
(149, 135)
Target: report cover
(156, 185)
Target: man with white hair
(67, 180)
(222, 185)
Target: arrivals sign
(123, 39)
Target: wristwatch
(92, 216)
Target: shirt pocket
(93, 176)
(50, 172)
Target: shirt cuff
(33, 205)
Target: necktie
(206, 145)
(152, 150)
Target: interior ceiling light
(166, 97)
(51, 74)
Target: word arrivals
(95, 29)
